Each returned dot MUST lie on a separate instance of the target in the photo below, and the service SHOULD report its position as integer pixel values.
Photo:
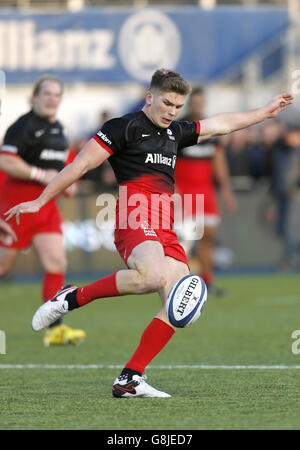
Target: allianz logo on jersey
(158, 158)
(54, 155)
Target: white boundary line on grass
(116, 366)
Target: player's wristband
(37, 174)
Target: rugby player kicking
(34, 150)
(141, 148)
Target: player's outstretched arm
(91, 156)
(228, 122)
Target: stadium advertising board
(104, 45)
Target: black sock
(72, 301)
(129, 373)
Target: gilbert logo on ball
(186, 301)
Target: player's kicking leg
(139, 280)
(141, 277)
(131, 382)
(52, 310)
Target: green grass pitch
(252, 326)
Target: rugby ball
(186, 301)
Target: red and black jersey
(196, 160)
(144, 153)
(2, 179)
(36, 140)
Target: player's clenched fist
(23, 208)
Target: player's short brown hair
(164, 80)
(38, 84)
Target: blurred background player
(34, 150)
(207, 170)
(286, 191)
